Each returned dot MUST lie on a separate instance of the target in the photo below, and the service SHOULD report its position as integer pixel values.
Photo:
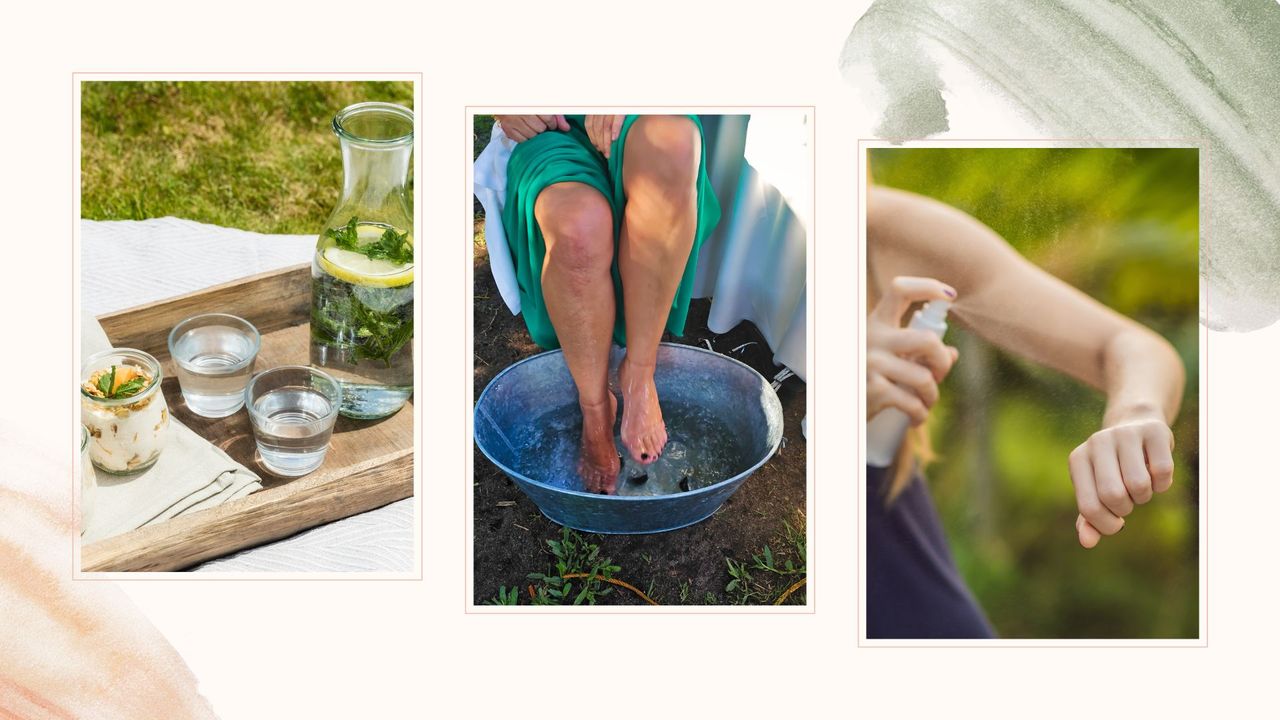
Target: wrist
(1131, 412)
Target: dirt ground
(688, 566)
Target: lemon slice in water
(360, 270)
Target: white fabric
(182, 256)
(379, 540)
(491, 189)
(187, 256)
(753, 265)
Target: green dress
(555, 157)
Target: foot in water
(599, 463)
(644, 434)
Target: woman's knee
(665, 149)
(577, 225)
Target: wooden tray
(369, 463)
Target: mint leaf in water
(358, 320)
(395, 247)
(391, 245)
(347, 237)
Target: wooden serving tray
(369, 463)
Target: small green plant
(686, 588)
(553, 591)
(505, 597)
(652, 592)
(770, 576)
(541, 596)
(576, 560)
(740, 588)
(796, 539)
(764, 561)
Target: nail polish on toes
(644, 456)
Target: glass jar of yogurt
(88, 481)
(123, 409)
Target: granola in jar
(123, 409)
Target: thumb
(905, 290)
(1088, 534)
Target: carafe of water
(362, 271)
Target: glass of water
(293, 408)
(214, 355)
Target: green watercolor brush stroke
(1208, 72)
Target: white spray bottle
(886, 430)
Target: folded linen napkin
(190, 475)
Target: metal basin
(712, 402)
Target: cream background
(391, 649)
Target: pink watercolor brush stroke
(71, 649)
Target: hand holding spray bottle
(886, 430)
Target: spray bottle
(886, 430)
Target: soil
(682, 566)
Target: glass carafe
(362, 271)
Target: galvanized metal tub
(737, 394)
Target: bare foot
(644, 434)
(599, 462)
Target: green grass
(258, 156)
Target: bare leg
(659, 171)
(577, 224)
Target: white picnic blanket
(753, 265)
(190, 256)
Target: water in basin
(701, 451)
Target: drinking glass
(214, 355)
(292, 409)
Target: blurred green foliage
(254, 155)
(1121, 225)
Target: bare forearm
(1019, 307)
(1025, 310)
(1143, 377)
